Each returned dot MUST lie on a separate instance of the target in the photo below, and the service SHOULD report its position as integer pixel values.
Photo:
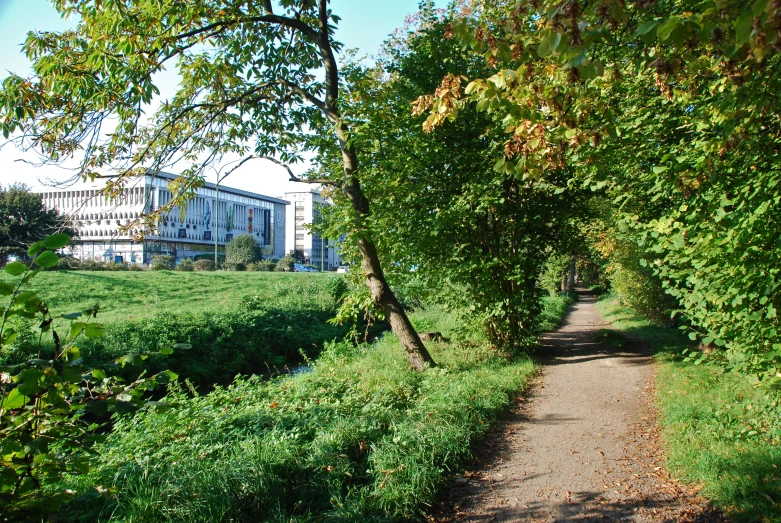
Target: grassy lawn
(135, 295)
(721, 432)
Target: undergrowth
(359, 438)
(721, 432)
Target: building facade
(210, 216)
(305, 210)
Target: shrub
(67, 264)
(113, 266)
(162, 262)
(243, 249)
(134, 267)
(234, 266)
(285, 264)
(92, 265)
(261, 266)
(203, 265)
(185, 265)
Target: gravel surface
(583, 445)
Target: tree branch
(294, 178)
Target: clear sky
(364, 25)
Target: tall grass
(360, 438)
(721, 432)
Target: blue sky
(364, 25)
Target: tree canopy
(25, 221)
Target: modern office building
(305, 210)
(182, 235)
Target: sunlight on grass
(721, 432)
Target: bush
(221, 346)
(162, 262)
(185, 265)
(113, 266)
(203, 265)
(92, 265)
(233, 266)
(242, 250)
(134, 267)
(67, 264)
(285, 264)
(261, 266)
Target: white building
(98, 220)
(305, 210)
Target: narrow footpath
(582, 445)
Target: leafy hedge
(222, 345)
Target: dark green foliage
(285, 264)
(186, 265)
(203, 265)
(51, 403)
(262, 266)
(25, 221)
(241, 251)
(233, 266)
(162, 262)
(221, 345)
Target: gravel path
(582, 446)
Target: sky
(364, 26)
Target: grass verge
(360, 438)
(721, 432)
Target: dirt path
(583, 446)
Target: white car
(343, 269)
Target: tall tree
(477, 234)
(255, 78)
(24, 220)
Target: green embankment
(234, 323)
(360, 438)
(721, 432)
(136, 295)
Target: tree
(671, 108)
(476, 235)
(25, 221)
(242, 249)
(254, 82)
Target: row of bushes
(218, 346)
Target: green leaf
(93, 330)
(14, 400)
(659, 169)
(5, 289)
(57, 241)
(743, 27)
(569, 134)
(15, 268)
(646, 27)
(98, 374)
(548, 44)
(47, 259)
(35, 248)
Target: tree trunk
(571, 275)
(417, 354)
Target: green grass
(721, 432)
(136, 295)
(360, 438)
